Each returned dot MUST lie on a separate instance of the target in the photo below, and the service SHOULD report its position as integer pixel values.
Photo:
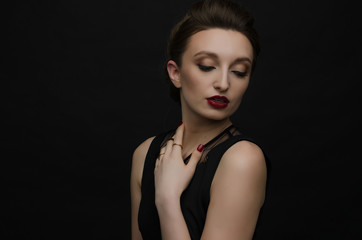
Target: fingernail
(200, 148)
(180, 123)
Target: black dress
(195, 199)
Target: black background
(82, 85)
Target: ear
(174, 73)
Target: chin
(218, 116)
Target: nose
(222, 82)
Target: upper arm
(138, 160)
(237, 193)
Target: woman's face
(214, 73)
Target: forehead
(224, 43)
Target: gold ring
(177, 145)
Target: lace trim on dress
(222, 137)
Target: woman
(204, 180)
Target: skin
(215, 62)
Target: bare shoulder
(244, 155)
(141, 151)
(243, 162)
(237, 193)
(138, 159)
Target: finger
(195, 156)
(157, 162)
(178, 137)
(168, 148)
(160, 156)
(162, 152)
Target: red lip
(218, 101)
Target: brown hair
(204, 15)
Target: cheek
(192, 81)
(245, 87)
(240, 89)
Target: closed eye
(240, 74)
(205, 68)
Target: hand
(172, 175)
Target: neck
(202, 128)
(201, 132)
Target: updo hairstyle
(204, 15)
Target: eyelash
(205, 68)
(209, 68)
(240, 74)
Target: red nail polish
(180, 123)
(200, 148)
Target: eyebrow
(214, 56)
(210, 54)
